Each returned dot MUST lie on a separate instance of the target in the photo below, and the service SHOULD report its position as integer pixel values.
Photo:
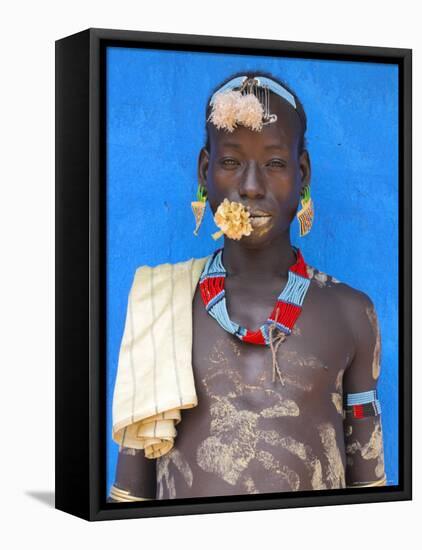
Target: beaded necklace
(286, 310)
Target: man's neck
(273, 260)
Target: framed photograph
(233, 276)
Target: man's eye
(229, 162)
(277, 163)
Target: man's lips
(260, 218)
(259, 214)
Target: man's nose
(251, 185)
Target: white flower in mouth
(232, 108)
(233, 219)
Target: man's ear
(305, 168)
(203, 162)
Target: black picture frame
(81, 285)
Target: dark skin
(250, 433)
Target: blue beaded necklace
(286, 310)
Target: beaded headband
(246, 100)
(261, 81)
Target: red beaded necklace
(286, 310)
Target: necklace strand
(286, 310)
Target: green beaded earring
(305, 215)
(198, 207)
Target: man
(316, 425)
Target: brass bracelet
(120, 495)
(378, 483)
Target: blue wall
(155, 129)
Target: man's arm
(362, 422)
(135, 477)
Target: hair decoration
(261, 81)
(246, 101)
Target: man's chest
(310, 360)
(249, 432)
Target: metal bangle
(378, 483)
(121, 495)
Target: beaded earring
(305, 215)
(198, 207)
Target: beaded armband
(362, 405)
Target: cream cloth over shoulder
(154, 374)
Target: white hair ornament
(246, 101)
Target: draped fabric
(154, 379)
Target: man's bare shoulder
(347, 298)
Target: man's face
(262, 170)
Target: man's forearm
(135, 477)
